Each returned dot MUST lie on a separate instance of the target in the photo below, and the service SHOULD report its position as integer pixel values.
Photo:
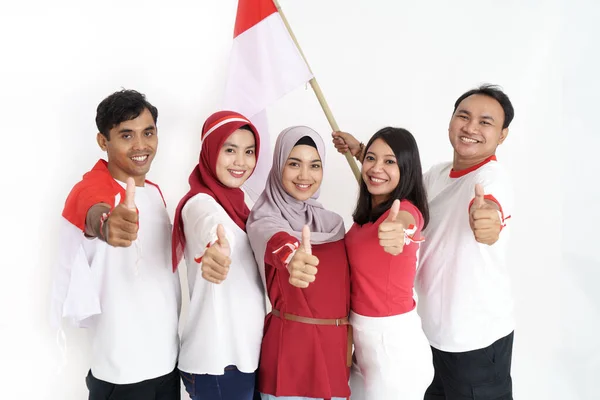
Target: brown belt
(317, 321)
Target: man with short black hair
(115, 274)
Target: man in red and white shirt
(463, 288)
(114, 274)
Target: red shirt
(382, 284)
(299, 359)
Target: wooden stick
(319, 93)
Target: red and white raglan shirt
(463, 288)
(129, 298)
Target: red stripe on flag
(250, 13)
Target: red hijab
(203, 179)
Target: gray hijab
(276, 211)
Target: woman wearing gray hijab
(301, 255)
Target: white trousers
(392, 358)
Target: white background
(379, 63)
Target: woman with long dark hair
(392, 201)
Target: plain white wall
(379, 63)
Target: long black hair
(409, 188)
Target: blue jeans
(232, 385)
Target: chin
(303, 196)
(234, 184)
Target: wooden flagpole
(319, 94)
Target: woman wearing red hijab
(221, 341)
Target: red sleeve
(407, 206)
(280, 249)
(83, 196)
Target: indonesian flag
(265, 64)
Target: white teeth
(377, 180)
(468, 140)
(303, 186)
(238, 173)
(139, 158)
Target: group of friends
(284, 303)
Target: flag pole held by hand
(319, 94)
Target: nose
(472, 126)
(303, 174)
(239, 159)
(378, 166)
(139, 142)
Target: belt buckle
(337, 322)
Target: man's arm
(120, 227)
(93, 221)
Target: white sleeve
(75, 295)
(201, 215)
(497, 187)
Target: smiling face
(237, 159)
(380, 171)
(302, 173)
(475, 130)
(130, 147)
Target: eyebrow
(299, 160)
(235, 146)
(385, 155)
(461, 111)
(128, 130)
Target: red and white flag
(265, 64)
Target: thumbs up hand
(216, 259)
(305, 244)
(303, 266)
(121, 227)
(391, 231)
(484, 218)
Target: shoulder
(155, 189)
(492, 173)
(202, 208)
(88, 192)
(438, 170)
(409, 207)
(202, 202)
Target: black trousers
(166, 387)
(482, 374)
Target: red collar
(463, 172)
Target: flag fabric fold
(265, 64)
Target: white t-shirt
(135, 336)
(463, 288)
(225, 321)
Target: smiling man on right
(463, 286)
